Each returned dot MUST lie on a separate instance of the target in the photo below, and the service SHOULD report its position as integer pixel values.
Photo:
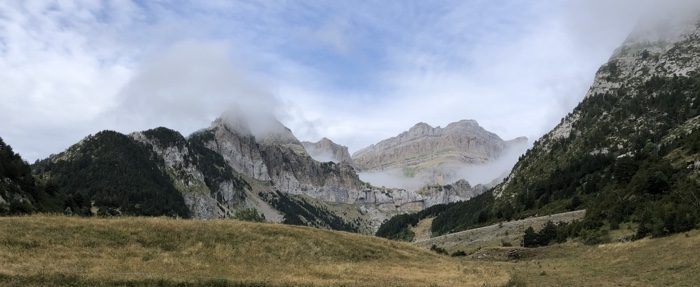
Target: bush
(438, 250)
(548, 234)
(458, 253)
(530, 238)
(594, 237)
(249, 214)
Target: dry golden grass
(68, 251)
(56, 250)
(669, 261)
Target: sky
(356, 72)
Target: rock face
(207, 194)
(435, 154)
(460, 190)
(282, 161)
(326, 150)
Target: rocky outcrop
(326, 150)
(207, 195)
(460, 190)
(281, 161)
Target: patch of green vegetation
(113, 173)
(399, 226)
(476, 212)
(17, 185)
(298, 211)
(249, 214)
(166, 137)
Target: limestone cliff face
(460, 190)
(277, 157)
(207, 194)
(326, 150)
(435, 154)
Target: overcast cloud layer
(356, 72)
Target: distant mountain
(629, 152)
(429, 155)
(326, 150)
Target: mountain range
(629, 152)
(235, 168)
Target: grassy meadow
(70, 251)
(668, 261)
(43, 250)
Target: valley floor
(69, 251)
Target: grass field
(669, 261)
(69, 251)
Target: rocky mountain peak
(434, 155)
(265, 128)
(464, 124)
(420, 129)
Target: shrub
(249, 214)
(458, 253)
(438, 250)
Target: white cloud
(56, 79)
(187, 86)
(70, 68)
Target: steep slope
(18, 190)
(630, 145)
(434, 155)
(326, 150)
(276, 157)
(210, 188)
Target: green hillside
(113, 173)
